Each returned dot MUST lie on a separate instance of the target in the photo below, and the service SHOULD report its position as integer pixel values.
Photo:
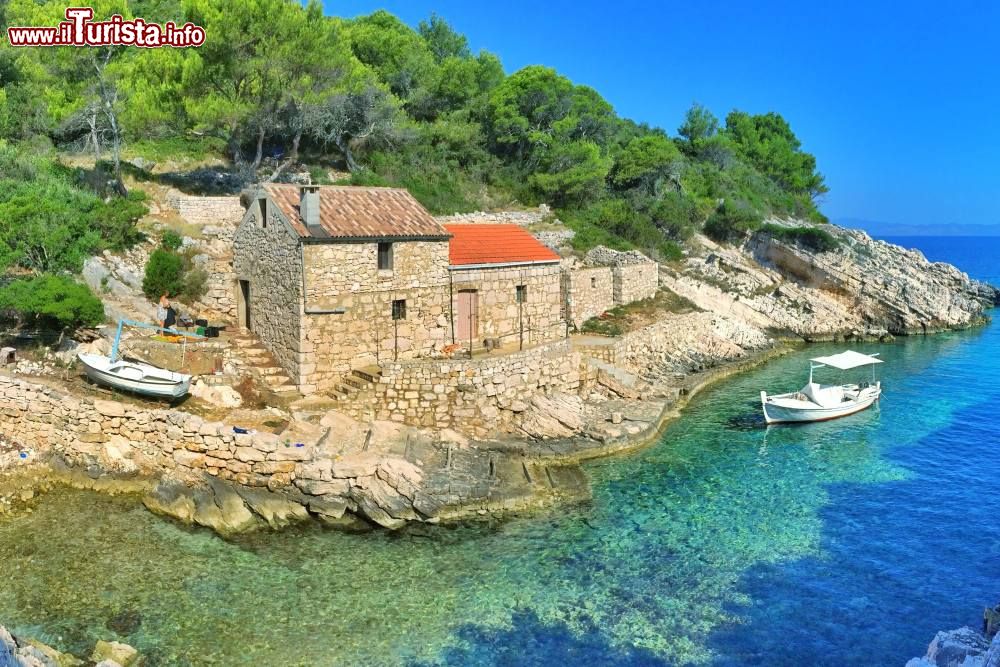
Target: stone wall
(587, 293)
(219, 301)
(538, 319)
(128, 439)
(635, 282)
(268, 256)
(217, 211)
(348, 316)
(529, 217)
(480, 396)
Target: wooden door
(467, 316)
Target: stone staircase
(260, 362)
(355, 393)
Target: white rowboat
(135, 377)
(816, 402)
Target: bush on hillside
(52, 301)
(731, 222)
(813, 238)
(173, 272)
(171, 240)
(164, 274)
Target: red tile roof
(360, 212)
(495, 244)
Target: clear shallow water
(844, 543)
(848, 542)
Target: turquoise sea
(842, 543)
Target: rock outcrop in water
(18, 652)
(861, 288)
(963, 647)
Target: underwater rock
(116, 652)
(125, 622)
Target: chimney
(309, 209)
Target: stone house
(505, 285)
(333, 279)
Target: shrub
(52, 301)
(171, 240)
(164, 273)
(731, 222)
(813, 238)
(195, 283)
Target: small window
(521, 293)
(593, 282)
(263, 213)
(399, 309)
(385, 257)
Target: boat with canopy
(817, 402)
(137, 377)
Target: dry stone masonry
(481, 396)
(588, 293)
(221, 211)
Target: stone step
(285, 389)
(269, 370)
(368, 373)
(355, 382)
(345, 390)
(276, 380)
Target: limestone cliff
(861, 288)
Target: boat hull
(137, 378)
(778, 414)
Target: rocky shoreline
(611, 395)
(350, 493)
(965, 647)
(22, 652)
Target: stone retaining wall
(480, 396)
(529, 217)
(128, 439)
(218, 211)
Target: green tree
(767, 142)
(399, 56)
(572, 173)
(442, 39)
(645, 162)
(732, 222)
(699, 125)
(49, 301)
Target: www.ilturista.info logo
(79, 30)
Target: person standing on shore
(163, 311)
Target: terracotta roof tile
(495, 244)
(359, 212)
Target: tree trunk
(293, 155)
(92, 121)
(259, 155)
(345, 148)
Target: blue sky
(898, 100)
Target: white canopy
(847, 360)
